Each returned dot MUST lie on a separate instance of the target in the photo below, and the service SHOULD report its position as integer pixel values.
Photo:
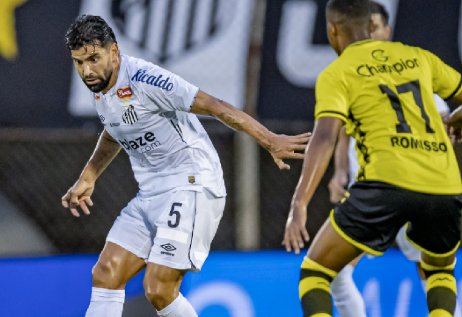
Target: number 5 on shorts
(175, 213)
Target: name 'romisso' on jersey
(148, 113)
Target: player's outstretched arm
(280, 146)
(79, 195)
(317, 157)
(339, 180)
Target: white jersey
(353, 156)
(148, 113)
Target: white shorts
(409, 251)
(174, 229)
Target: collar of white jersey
(121, 76)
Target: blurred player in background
(408, 173)
(344, 291)
(169, 226)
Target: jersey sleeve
(441, 105)
(168, 91)
(182, 95)
(447, 82)
(331, 97)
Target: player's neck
(114, 76)
(353, 37)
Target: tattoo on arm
(230, 120)
(110, 140)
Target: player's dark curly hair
(351, 9)
(89, 30)
(377, 8)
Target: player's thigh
(331, 250)
(127, 247)
(356, 261)
(116, 266)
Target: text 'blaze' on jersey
(148, 113)
(383, 91)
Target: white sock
(457, 312)
(424, 286)
(347, 298)
(106, 303)
(180, 307)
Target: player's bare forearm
(106, 150)
(232, 117)
(317, 157)
(280, 146)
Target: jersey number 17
(414, 87)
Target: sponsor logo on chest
(143, 144)
(124, 93)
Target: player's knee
(104, 275)
(158, 294)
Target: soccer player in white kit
(168, 227)
(347, 298)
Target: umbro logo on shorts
(168, 247)
(129, 115)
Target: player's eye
(78, 62)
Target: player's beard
(103, 80)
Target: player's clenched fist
(79, 195)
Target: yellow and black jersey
(383, 91)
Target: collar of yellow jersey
(358, 43)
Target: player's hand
(79, 195)
(284, 147)
(296, 235)
(337, 187)
(453, 123)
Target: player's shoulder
(408, 49)
(144, 73)
(334, 72)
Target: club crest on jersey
(97, 96)
(129, 115)
(124, 93)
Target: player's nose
(86, 70)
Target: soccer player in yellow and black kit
(383, 93)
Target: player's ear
(371, 26)
(332, 29)
(114, 52)
(388, 31)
